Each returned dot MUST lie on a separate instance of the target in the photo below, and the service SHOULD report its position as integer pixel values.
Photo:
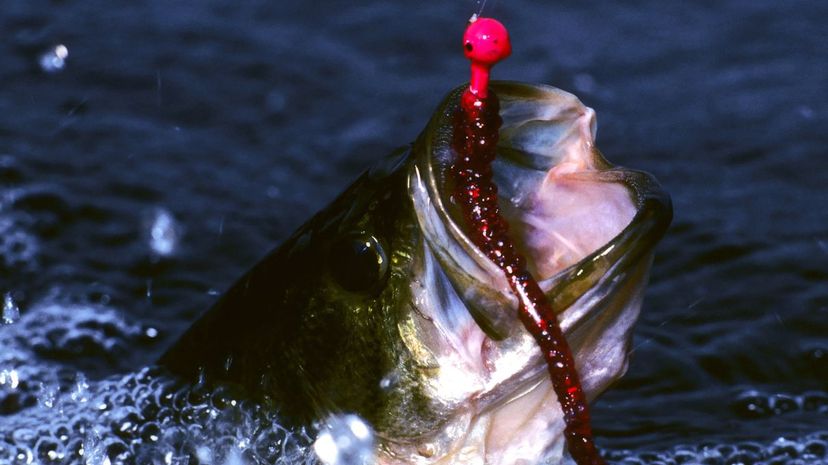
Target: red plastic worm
(476, 125)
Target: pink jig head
(485, 42)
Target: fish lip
(596, 275)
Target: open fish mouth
(381, 305)
(587, 229)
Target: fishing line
(481, 7)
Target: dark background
(240, 119)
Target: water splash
(345, 440)
(164, 233)
(80, 391)
(54, 59)
(47, 394)
(11, 313)
(148, 418)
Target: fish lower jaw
(525, 430)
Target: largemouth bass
(380, 305)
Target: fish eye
(358, 262)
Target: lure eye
(358, 262)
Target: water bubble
(784, 447)
(23, 435)
(269, 443)
(54, 59)
(684, 456)
(48, 450)
(127, 427)
(815, 449)
(389, 381)
(164, 233)
(345, 440)
(743, 457)
(150, 432)
(24, 455)
(752, 404)
(18, 247)
(193, 432)
(11, 312)
(783, 403)
(116, 451)
(815, 401)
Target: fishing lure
(476, 125)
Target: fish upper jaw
(571, 213)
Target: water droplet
(345, 440)
(806, 112)
(275, 103)
(584, 83)
(9, 378)
(54, 60)
(11, 312)
(389, 381)
(164, 233)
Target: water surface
(179, 141)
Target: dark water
(237, 120)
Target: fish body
(380, 305)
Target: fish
(380, 305)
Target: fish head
(311, 328)
(381, 305)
